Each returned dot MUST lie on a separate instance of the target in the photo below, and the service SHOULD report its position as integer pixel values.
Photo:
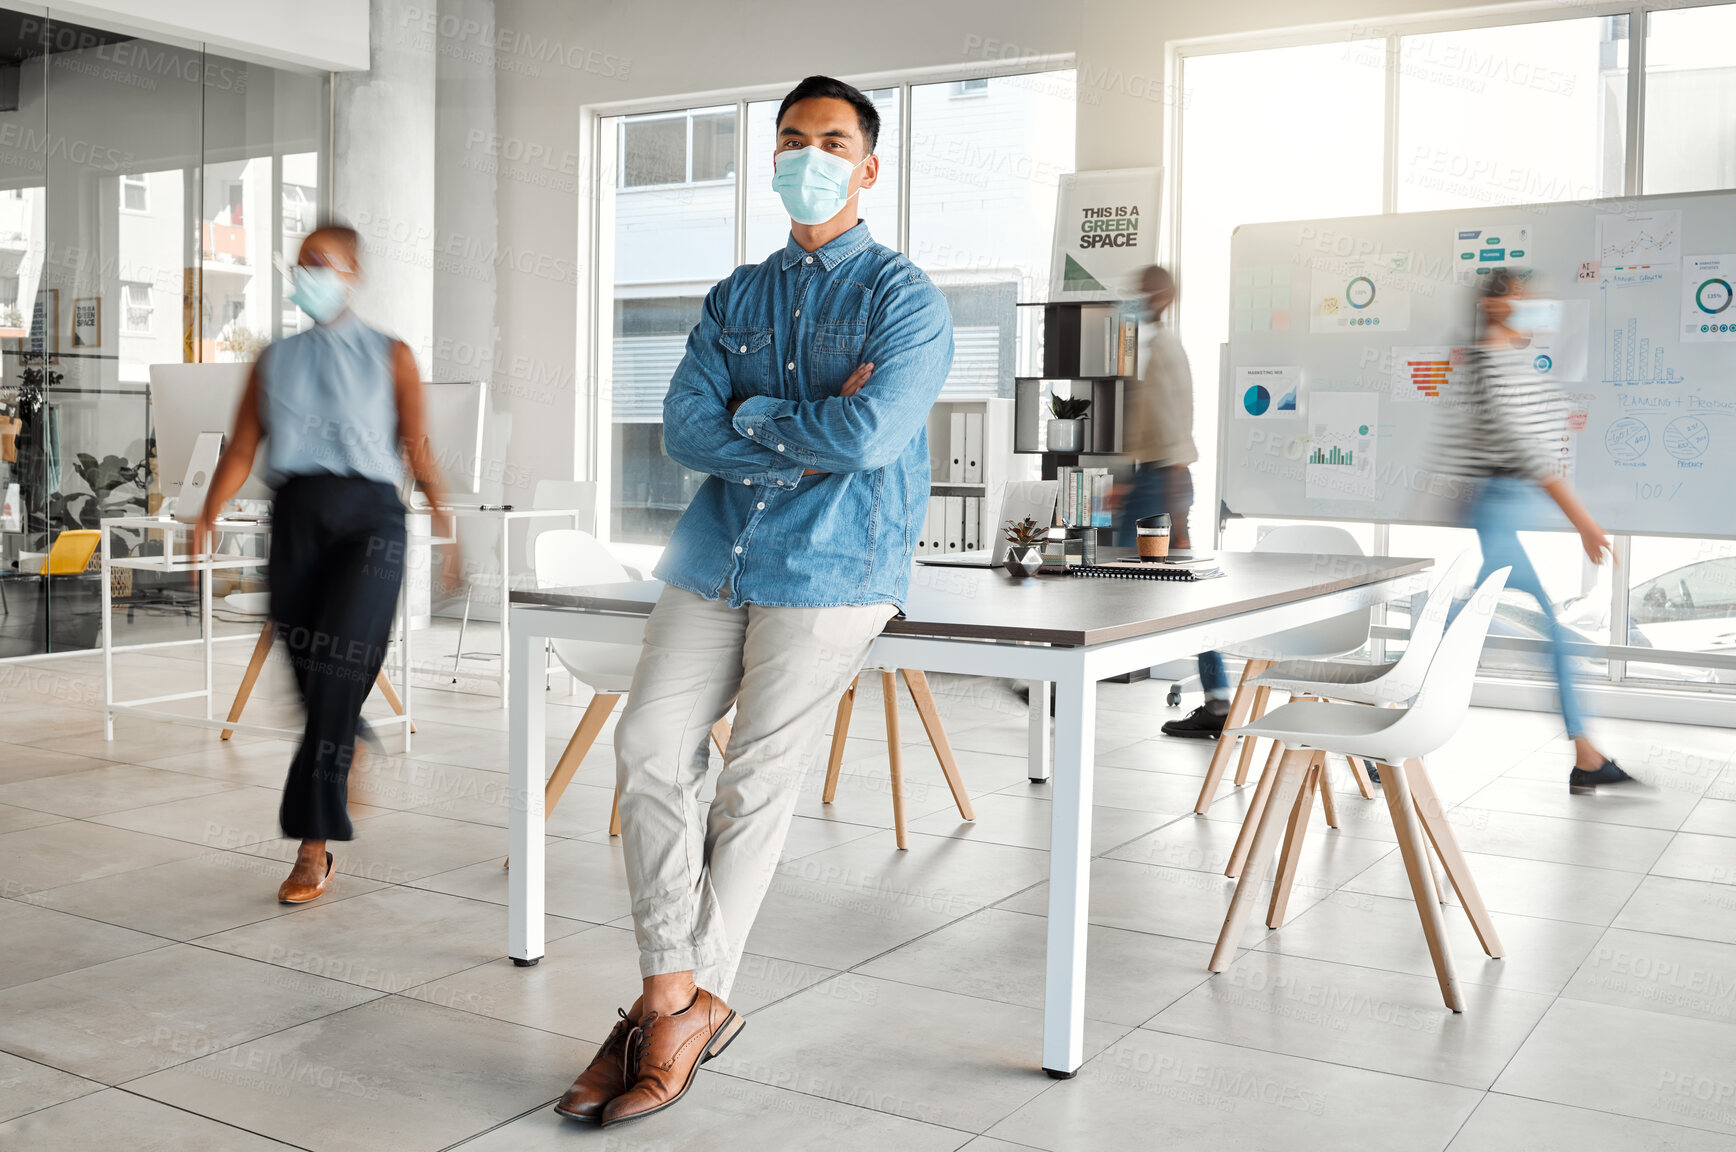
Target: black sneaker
(1200, 724)
(1583, 783)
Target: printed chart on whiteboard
(1342, 429)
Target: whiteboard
(453, 416)
(1364, 311)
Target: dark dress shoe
(603, 1079)
(290, 892)
(1200, 724)
(664, 1052)
(1581, 782)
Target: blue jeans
(1500, 509)
(1158, 489)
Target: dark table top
(986, 604)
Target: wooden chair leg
(1327, 804)
(840, 733)
(1291, 769)
(261, 649)
(917, 681)
(1411, 846)
(889, 693)
(585, 735)
(391, 694)
(1256, 806)
(1440, 832)
(1235, 719)
(720, 736)
(1262, 696)
(1359, 773)
(1294, 834)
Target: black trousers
(337, 561)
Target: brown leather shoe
(665, 1051)
(290, 892)
(603, 1079)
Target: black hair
(826, 88)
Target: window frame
(1393, 30)
(141, 181)
(127, 308)
(687, 116)
(595, 327)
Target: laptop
(1024, 499)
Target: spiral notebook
(1139, 571)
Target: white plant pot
(1066, 435)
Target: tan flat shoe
(289, 892)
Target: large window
(1423, 119)
(982, 158)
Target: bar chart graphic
(1631, 356)
(1340, 457)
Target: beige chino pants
(697, 880)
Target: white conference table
(1067, 631)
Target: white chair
(567, 557)
(1396, 739)
(1383, 685)
(1320, 640)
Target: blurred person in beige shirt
(1157, 431)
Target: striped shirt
(1506, 420)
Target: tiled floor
(154, 994)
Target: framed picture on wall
(87, 322)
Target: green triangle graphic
(1074, 278)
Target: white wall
(331, 35)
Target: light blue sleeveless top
(328, 404)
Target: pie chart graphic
(1627, 439)
(1257, 400)
(1713, 296)
(1359, 292)
(1686, 437)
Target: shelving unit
(1064, 350)
(991, 471)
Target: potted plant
(1024, 547)
(1067, 429)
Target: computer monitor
(187, 399)
(453, 414)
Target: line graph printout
(1639, 240)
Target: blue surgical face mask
(813, 184)
(320, 292)
(1530, 314)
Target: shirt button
(791, 365)
(750, 431)
(744, 347)
(762, 505)
(780, 447)
(780, 483)
(748, 482)
(809, 260)
(738, 549)
(798, 311)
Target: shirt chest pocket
(836, 352)
(748, 353)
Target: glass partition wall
(145, 190)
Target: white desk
(1068, 631)
(205, 566)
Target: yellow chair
(71, 552)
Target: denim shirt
(782, 337)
